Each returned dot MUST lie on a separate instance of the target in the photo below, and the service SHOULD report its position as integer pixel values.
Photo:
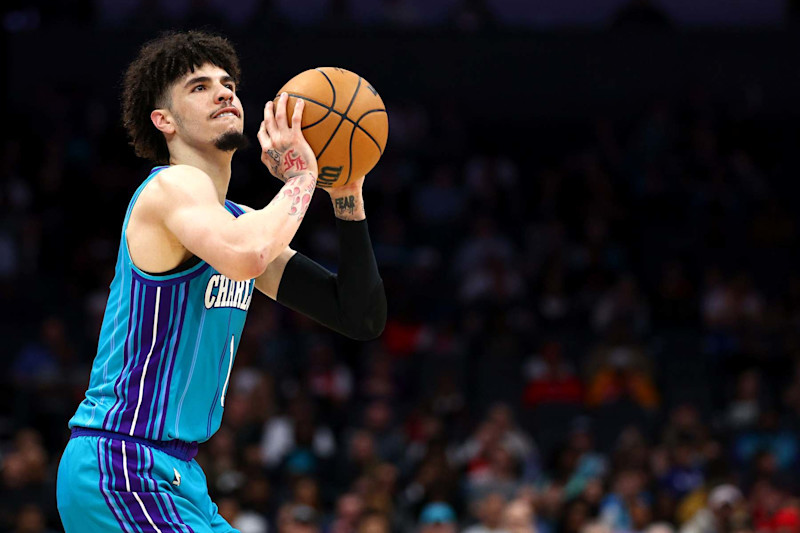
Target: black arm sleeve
(353, 302)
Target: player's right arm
(240, 248)
(190, 209)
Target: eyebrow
(206, 79)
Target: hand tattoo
(274, 154)
(293, 163)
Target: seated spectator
(767, 438)
(623, 303)
(774, 510)
(575, 515)
(551, 379)
(685, 473)
(518, 517)
(389, 439)
(618, 509)
(489, 512)
(723, 504)
(437, 517)
(745, 408)
(500, 475)
(280, 433)
(294, 518)
(373, 522)
(621, 377)
(349, 509)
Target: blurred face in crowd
(628, 484)
(362, 447)
(296, 519)
(30, 519)
(502, 462)
(374, 523)
(576, 515)
(490, 510)
(306, 491)
(518, 517)
(349, 507)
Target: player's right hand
(284, 150)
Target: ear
(163, 120)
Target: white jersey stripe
(125, 468)
(230, 366)
(147, 361)
(146, 514)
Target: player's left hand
(348, 200)
(353, 187)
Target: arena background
(585, 219)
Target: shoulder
(180, 177)
(177, 184)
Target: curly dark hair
(159, 64)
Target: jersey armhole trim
(173, 277)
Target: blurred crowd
(592, 327)
(333, 15)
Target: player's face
(205, 106)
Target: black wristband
(351, 302)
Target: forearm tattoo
(346, 207)
(299, 189)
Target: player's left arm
(351, 302)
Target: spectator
(551, 379)
(349, 509)
(437, 517)
(518, 517)
(374, 522)
(489, 512)
(720, 513)
(294, 518)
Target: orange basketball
(344, 122)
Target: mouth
(227, 112)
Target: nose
(225, 94)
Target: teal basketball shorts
(111, 482)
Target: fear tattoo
(345, 204)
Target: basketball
(344, 122)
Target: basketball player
(188, 263)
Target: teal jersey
(166, 349)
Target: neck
(215, 163)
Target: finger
(269, 119)
(297, 116)
(280, 111)
(264, 138)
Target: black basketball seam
(331, 110)
(365, 131)
(333, 103)
(339, 125)
(350, 146)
